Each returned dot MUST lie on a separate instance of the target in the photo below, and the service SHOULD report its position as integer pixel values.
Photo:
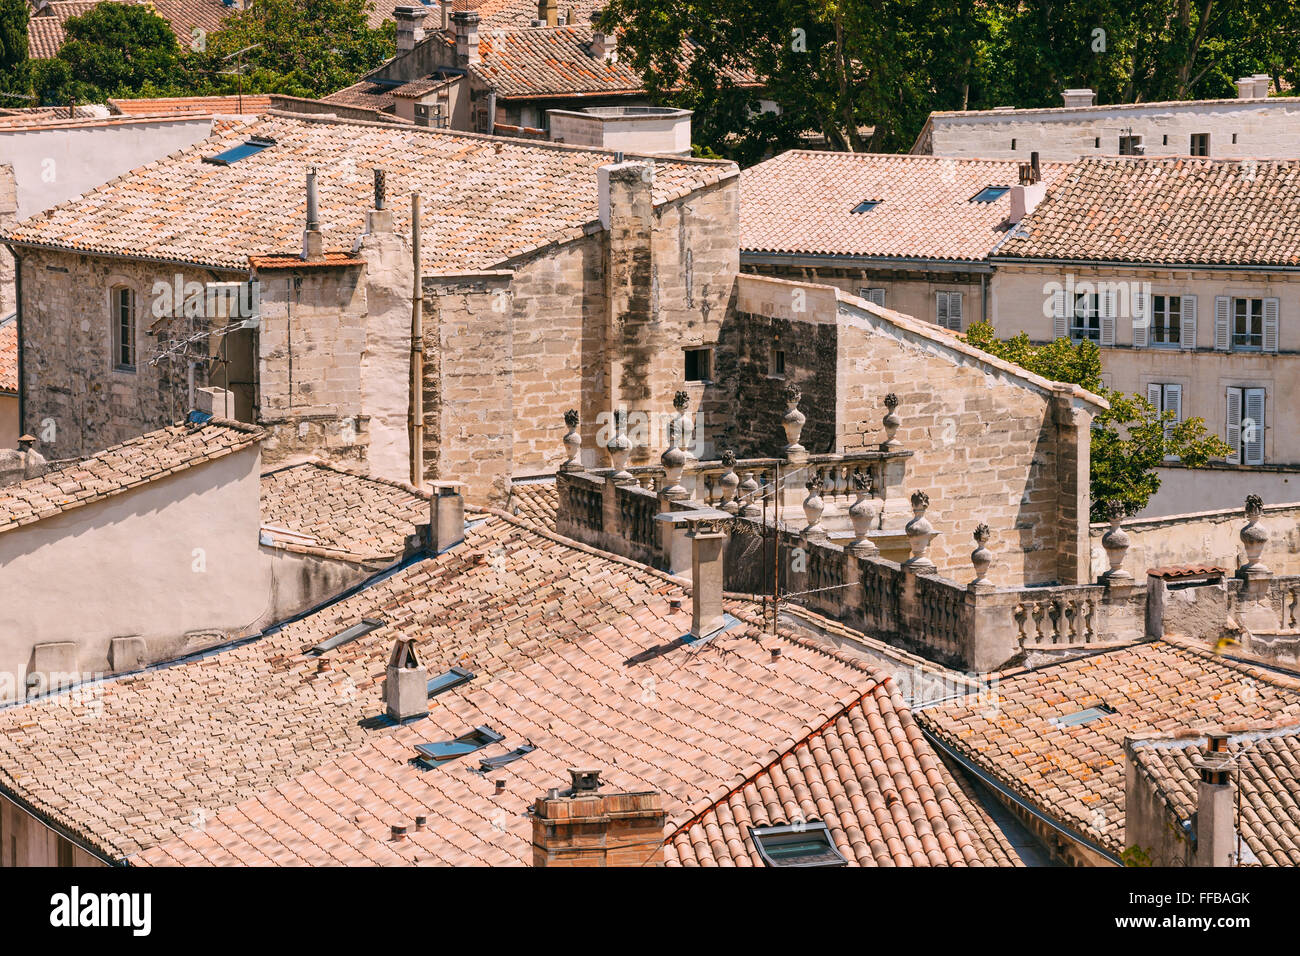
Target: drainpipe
(492, 111)
(417, 350)
(984, 297)
(18, 306)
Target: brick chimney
(465, 25)
(584, 827)
(1074, 98)
(406, 682)
(446, 516)
(410, 27)
(1216, 837)
(313, 241)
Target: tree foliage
(13, 46)
(114, 49)
(1130, 440)
(842, 67)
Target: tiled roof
(486, 199)
(45, 32)
(802, 202)
(1266, 765)
(120, 468)
(534, 500)
(864, 774)
(365, 94)
(9, 356)
(185, 105)
(328, 507)
(1075, 773)
(261, 753)
(518, 14)
(1177, 211)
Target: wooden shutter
(1141, 318)
(1173, 403)
(1252, 433)
(878, 297)
(1187, 336)
(954, 311)
(1153, 395)
(1232, 423)
(1270, 325)
(941, 309)
(1061, 329)
(1106, 301)
(1222, 330)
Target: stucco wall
(8, 421)
(184, 548)
(1205, 538)
(26, 841)
(1019, 294)
(1219, 487)
(1262, 128)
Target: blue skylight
(990, 193)
(452, 678)
(242, 151)
(444, 751)
(866, 205)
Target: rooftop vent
(446, 681)
(584, 781)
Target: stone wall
(992, 443)
(77, 400)
(8, 216)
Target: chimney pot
(1246, 88)
(406, 689)
(421, 822)
(313, 242)
(399, 831)
(584, 781)
(1261, 86)
(1074, 98)
(500, 786)
(707, 544)
(447, 515)
(776, 653)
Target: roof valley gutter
(993, 784)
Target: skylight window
(866, 205)
(361, 629)
(990, 193)
(444, 751)
(808, 844)
(1083, 716)
(248, 148)
(452, 678)
(492, 763)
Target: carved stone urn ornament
(748, 501)
(1253, 538)
(813, 506)
(863, 515)
(730, 482)
(793, 421)
(572, 442)
(919, 534)
(891, 422)
(981, 558)
(1116, 543)
(673, 461)
(620, 448)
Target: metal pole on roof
(417, 350)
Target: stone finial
(572, 443)
(981, 558)
(749, 506)
(891, 422)
(673, 461)
(1116, 543)
(620, 449)
(793, 421)
(730, 482)
(1253, 538)
(381, 189)
(685, 428)
(680, 400)
(919, 534)
(862, 513)
(813, 506)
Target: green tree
(13, 46)
(114, 49)
(1130, 440)
(302, 48)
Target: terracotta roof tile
(802, 202)
(1177, 211)
(9, 356)
(186, 105)
(329, 507)
(45, 31)
(114, 470)
(1075, 773)
(534, 500)
(486, 199)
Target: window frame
(1199, 139)
(1126, 144)
(793, 834)
(1176, 326)
(1093, 317)
(124, 327)
(704, 377)
(1234, 340)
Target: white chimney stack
(1215, 830)
(1246, 88)
(1261, 86)
(465, 23)
(1075, 98)
(313, 240)
(406, 682)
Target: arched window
(124, 328)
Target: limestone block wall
(992, 443)
(77, 401)
(8, 216)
